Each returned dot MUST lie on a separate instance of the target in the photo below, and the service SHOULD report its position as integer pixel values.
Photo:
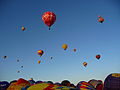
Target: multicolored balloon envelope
(49, 18)
(46, 86)
(40, 52)
(100, 19)
(98, 84)
(21, 83)
(112, 82)
(84, 86)
(85, 64)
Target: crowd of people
(112, 82)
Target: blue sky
(76, 25)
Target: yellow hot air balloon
(39, 62)
(23, 28)
(64, 46)
(85, 64)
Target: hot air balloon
(85, 64)
(21, 66)
(49, 18)
(39, 62)
(4, 57)
(51, 57)
(40, 52)
(17, 60)
(100, 19)
(98, 56)
(74, 49)
(64, 46)
(23, 28)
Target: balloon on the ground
(21, 83)
(46, 86)
(98, 84)
(84, 86)
(49, 18)
(4, 85)
(112, 82)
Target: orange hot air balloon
(49, 18)
(23, 28)
(40, 52)
(100, 19)
(74, 49)
(39, 62)
(64, 46)
(85, 64)
(98, 56)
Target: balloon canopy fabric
(112, 82)
(46, 86)
(49, 18)
(21, 83)
(84, 86)
(4, 85)
(98, 84)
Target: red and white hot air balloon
(49, 18)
